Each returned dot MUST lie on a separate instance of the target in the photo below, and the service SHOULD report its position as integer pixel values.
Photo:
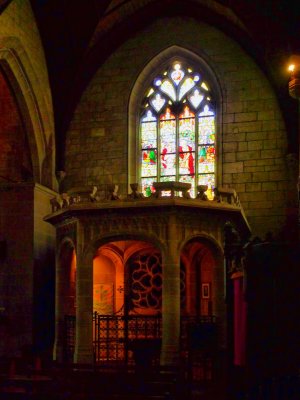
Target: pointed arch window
(177, 131)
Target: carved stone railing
(227, 195)
(168, 190)
(175, 189)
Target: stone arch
(119, 249)
(211, 240)
(34, 108)
(92, 247)
(108, 246)
(149, 72)
(215, 277)
(66, 242)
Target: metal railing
(118, 338)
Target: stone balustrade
(227, 195)
(168, 190)
(172, 189)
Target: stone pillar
(294, 91)
(171, 299)
(58, 349)
(84, 308)
(293, 210)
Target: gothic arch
(35, 112)
(141, 84)
(212, 248)
(92, 247)
(210, 240)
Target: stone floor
(71, 383)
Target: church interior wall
(22, 57)
(252, 130)
(27, 181)
(251, 158)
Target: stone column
(294, 91)
(293, 205)
(58, 349)
(171, 299)
(84, 308)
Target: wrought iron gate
(117, 338)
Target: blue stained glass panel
(206, 112)
(158, 102)
(148, 135)
(148, 117)
(196, 98)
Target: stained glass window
(177, 131)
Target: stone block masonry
(251, 134)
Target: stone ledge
(85, 199)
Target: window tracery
(177, 131)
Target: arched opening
(127, 295)
(202, 266)
(202, 94)
(15, 161)
(199, 264)
(202, 307)
(177, 130)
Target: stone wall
(252, 138)
(23, 60)
(16, 276)
(27, 163)
(15, 162)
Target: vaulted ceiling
(79, 35)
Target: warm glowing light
(291, 67)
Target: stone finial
(217, 196)
(56, 204)
(93, 196)
(201, 189)
(113, 192)
(136, 194)
(66, 200)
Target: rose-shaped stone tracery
(145, 282)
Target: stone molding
(90, 195)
